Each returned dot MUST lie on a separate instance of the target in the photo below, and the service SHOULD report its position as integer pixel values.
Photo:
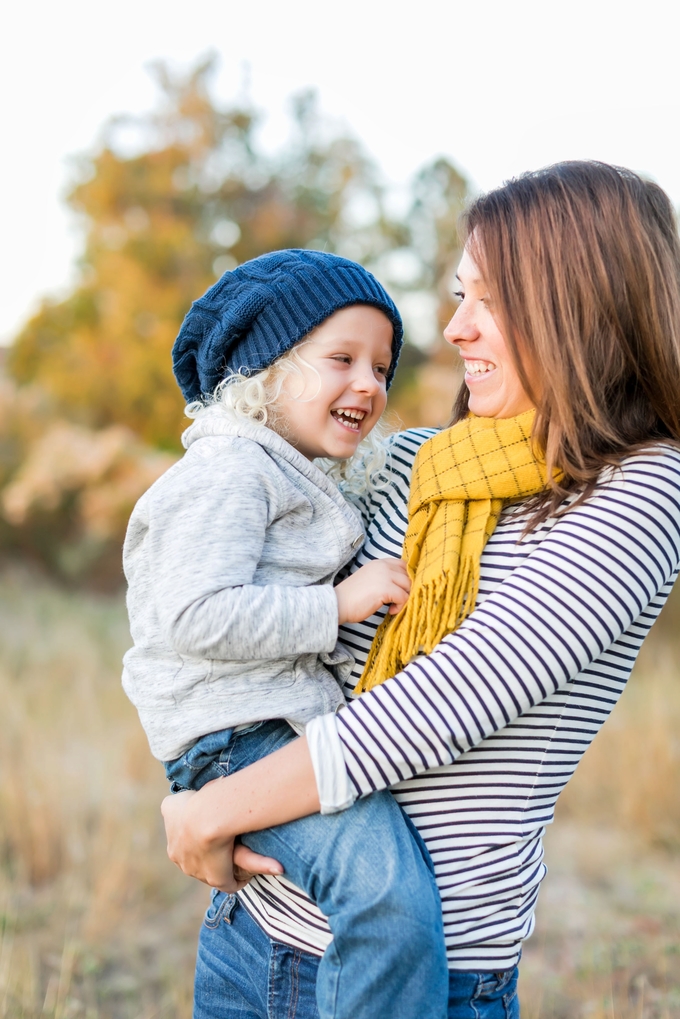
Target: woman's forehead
(468, 270)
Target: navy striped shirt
(478, 739)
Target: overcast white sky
(500, 86)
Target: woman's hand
(201, 852)
(202, 827)
(382, 582)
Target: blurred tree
(193, 198)
(422, 280)
(167, 203)
(440, 193)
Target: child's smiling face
(342, 391)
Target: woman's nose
(461, 327)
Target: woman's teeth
(478, 367)
(349, 418)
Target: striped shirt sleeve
(585, 583)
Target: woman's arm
(201, 827)
(576, 593)
(588, 580)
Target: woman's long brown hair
(582, 263)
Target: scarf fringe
(439, 608)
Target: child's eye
(381, 369)
(344, 358)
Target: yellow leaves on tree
(161, 223)
(167, 203)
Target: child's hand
(383, 582)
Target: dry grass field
(95, 923)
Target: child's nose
(366, 382)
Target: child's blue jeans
(366, 868)
(241, 972)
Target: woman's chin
(483, 407)
(494, 406)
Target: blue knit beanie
(262, 308)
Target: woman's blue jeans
(241, 974)
(368, 871)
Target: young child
(230, 559)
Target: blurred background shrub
(166, 203)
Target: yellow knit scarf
(461, 479)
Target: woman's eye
(459, 295)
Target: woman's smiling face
(490, 373)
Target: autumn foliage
(167, 203)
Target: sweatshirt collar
(214, 421)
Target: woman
(569, 325)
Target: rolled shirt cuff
(336, 792)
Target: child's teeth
(353, 415)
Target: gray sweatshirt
(230, 559)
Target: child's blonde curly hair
(254, 398)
